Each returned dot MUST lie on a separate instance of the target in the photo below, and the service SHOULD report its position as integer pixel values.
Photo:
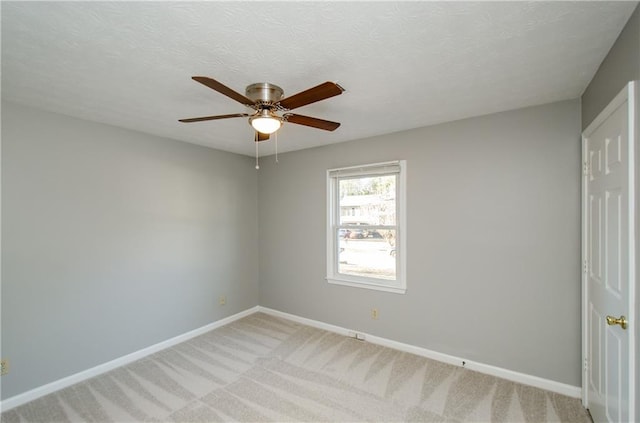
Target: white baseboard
(49, 388)
(549, 385)
(525, 379)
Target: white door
(609, 265)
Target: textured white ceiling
(404, 64)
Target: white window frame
(399, 285)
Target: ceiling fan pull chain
(276, 146)
(256, 143)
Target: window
(366, 226)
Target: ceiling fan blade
(223, 89)
(320, 92)
(327, 125)
(200, 119)
(261, 137)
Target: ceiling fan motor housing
(264, 92)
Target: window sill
(366, 285)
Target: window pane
(368, 200)
(361, 253)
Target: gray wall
(493, 240)
(621, 65)
(114, 240)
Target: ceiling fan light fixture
(265, 122)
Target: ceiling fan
(268, 99)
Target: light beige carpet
(262, 369)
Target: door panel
(607, 271)
(614, 392)
(614, 238)
(595, 237)
(595, 360)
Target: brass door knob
(622, 321)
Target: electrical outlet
(4, 367)
(222, 300)
(374, 313)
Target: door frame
(629, 94)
